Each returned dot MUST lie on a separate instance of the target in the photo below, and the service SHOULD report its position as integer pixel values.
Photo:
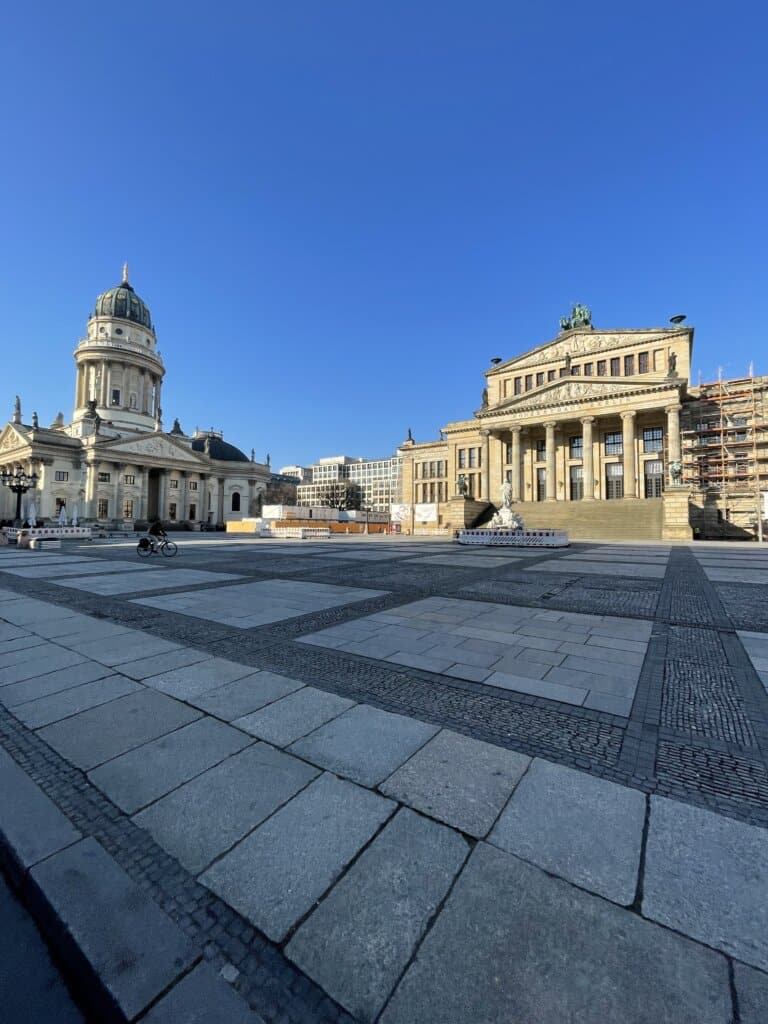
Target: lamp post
(18, 483)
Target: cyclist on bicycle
(156, 533)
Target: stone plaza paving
(392, 779)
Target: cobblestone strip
(264, 977)
(698, 726)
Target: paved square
(204, 817)
(256, 604)
(708, 877)
(458, 780)
(138, 580)
(364, 744)
(287, 720)
(586, 830)
(101, 733)
(310, 841)
(589, 660)
(513, 944)
(358, 942)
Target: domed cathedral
(113, 465)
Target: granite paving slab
(513, 944)
(237, 699)
(143, 668)
(202, 997)
(206, 816)
(65, 703)
(631, 569)
(707, 877)
(581, 828)
(752, 994)
(194, 680)
(144, 579)
(134, 950)
(52, 682)
(125, 647)
(12, 654)
(21, 643)
(48, 661)
(141, 776)
(9, 632)
(276, 874)
(364, 744)
(259, 603)
(287, 720)
(361, 937)
(101, 733)
(461, 781)
(31, 825)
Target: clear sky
(338, 212)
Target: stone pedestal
(462, 512)
(677, 523)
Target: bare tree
(280, 492)
(341, 494)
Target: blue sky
(339, 212)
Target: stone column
(628, 448)
(516, 466)
(102, 398)
(220, 512)
(162, 493)
(673, 432)
(589, 458)
(117, 512)
(144, 499)
(485, 469)
(551, 463)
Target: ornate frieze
(582, 342)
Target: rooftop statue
(581, 316)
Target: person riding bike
(156, 533)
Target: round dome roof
(219, 449)
(123, 303)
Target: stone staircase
(627, 519)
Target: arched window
(236, 501)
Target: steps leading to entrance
(624, 519)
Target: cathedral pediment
(12, 438)
(572, 390)
(153, 446)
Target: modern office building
(370, 483)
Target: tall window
(575, 371)
(541, 484)
(193, 485)
(104, 478)
(508, 452)
(528, 381)
(577, 483)
(473, 460)
(629, 366)
(551, 374)
(518, 385)
(588, 368)
(102, 508)
(129, 478)
(601, 367)
(652, 439)
(192, 512)
(172, 510)
(128, 508)
(614, 481)
(642, 362)
(614, 444)
(539, 379)
(60, 475)
(541, 450)
(236, 501)
(616, 367)
(576, 447)
(173, 484)
(462, 458)
(115, 396)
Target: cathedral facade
(113, 465)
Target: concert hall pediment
(579, 343)
(571, 391)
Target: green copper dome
(123, 303)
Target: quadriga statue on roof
(581, 316)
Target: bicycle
(165, 547)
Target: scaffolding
(726, 449)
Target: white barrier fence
(301, 532)
(22, 536)
(502, 537)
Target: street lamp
(18, 483)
